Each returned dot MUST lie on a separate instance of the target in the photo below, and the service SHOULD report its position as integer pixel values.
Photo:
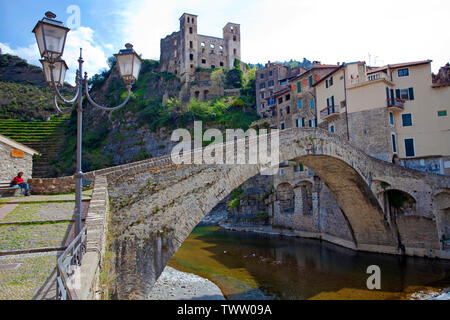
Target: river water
(258, 266)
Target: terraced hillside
(47, 137)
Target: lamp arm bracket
(55, 104)
(57, 93)
(106, 108)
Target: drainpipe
(346, 104)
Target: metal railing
(67, 264)
(394, 102)
(330, 110)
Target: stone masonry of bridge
(155, 205)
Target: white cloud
(325, 30)
(94, 55)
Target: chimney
(316, 63)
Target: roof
(330, 74)
(321, 66)
(17, 145)
(399, 65)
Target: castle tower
(189, 45)
(232, 40)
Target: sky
(379, 32)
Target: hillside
(142, 128)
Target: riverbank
(178, 285)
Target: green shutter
(411, 93)
(310, 81)
(299, 86)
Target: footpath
(34, 231)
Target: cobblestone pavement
(33, 276)
(41, 212)
(46, 198)
(28, 276)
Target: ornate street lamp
(51, 38)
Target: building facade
(185, 51)
(269, 80)
(15, 158)
(394, 113)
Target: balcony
(329, 112)
(395, 104)
(379, 76)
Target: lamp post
(51, 38)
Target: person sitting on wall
(18, 182)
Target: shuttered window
(299, 86)
(409, 147)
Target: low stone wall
(96, 222)
(67, 184)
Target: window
(262, 95)
(262, 85)
(391, 118)
(299, 86)
(272, 101)
(300, 123)
(175, 42)
(212, 46)
(190, 30)
(331, 81)
(282, 126)
(409, 147)
(312, 103)
(407, 120)
(280, 100)
(192, 20)
(270, 83)
(299, 103)
(332, 128)
(202, 44)
(221, 64)
(442, 113)
(299, 168)
(188, 19)
(221, 48)
(283, 82)
(312, 123)
(234, 38)
(191, 57)
(328, 102)
(310, 81)
(403, 72)
(281, 172)
(288, 97)
(406, 94)
(326, 83)
(213, 66)
(234, 51)
(262, 76)
(394, 143)
(191, 44)
(270, 73)
(288, 109)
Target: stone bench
(7, 191)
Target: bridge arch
(154, 211)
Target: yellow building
(395, 111)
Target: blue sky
(326, 30)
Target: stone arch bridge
(155, 204)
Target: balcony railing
(329, 112)
(371, 77)
(396, 104)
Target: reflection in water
(256, 266)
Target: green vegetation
(25, 101)
(236, 196)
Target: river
(258, 266)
